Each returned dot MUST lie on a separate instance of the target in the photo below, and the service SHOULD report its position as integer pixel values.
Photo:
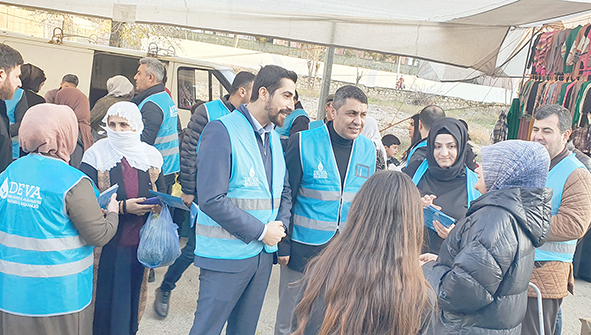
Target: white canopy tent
(480, 35)
(464, 33)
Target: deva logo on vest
(44, 262)
(167, 139)
(248, 190)
(559, 251)
(322, 204)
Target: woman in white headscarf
(371, 131)
(119, 89)
(123, 159)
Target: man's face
(280, 104)
(391, 151)
(10, 82)
(247, 93)
(329, 111)
(350, 119)
(547, 133)
(143, 80)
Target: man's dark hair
(348, 92)
(9, 58)
(389, 140)
(430, 114)
(329, 99)
(70, 78)
(242, 79)
(296, 97)
(270, 77)
(565, 120)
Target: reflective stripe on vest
(471, 179)
(10, 109)
(321, 207)
(316, 124)
(559, 251)
(45, 263)
(284, 131)
(420, 145)
(248, 190)
(215, 110)
(167, 139)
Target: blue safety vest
(248, 190)
(167, 139)
(215, 110)
(323, 203)
(316, 124)
(45, 265)
(10, 109)
(471, 179)
(284, 131)
(420, 145)
(559, 251)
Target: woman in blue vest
(484, 266)
(123, 159)
(443, 178)
(49, 222)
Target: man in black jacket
(418, 153)
(10, 71)
(240, 93)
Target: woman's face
(411, 128)
(446, 150)
(118, 124)
(480, 186)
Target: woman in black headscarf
(32, 79)
(443, 178)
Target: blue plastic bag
(159, 241)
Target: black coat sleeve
(294, 171)
(152, 116)
(19, 112)
(189, 150)
(300, 123)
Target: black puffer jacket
(485, 264)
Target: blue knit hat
(515, 164)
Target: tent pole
(531, 41)
(325, 88)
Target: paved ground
(184, 300)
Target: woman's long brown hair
(370, 273)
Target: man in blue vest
(329, 113)
(571, 214)
(10, 71)
(297, 121)
(240, 93)
(159, 114)
(244, 205)
(418, 152)
(15, 109)
(327, 167)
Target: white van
(188, 79)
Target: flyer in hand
(431, 213)
(105, 197)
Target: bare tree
(313, 55)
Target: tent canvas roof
(464, 33)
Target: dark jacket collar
(559, 157)
(148, 92)
(226, 100)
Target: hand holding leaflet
(105, 197)
(431, 214)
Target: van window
(196, 84)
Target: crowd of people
(327, 200)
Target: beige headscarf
(75, 99)
(49, 129)
(119, 86)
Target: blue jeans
(175, 271)
(558, 329)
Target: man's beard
(6, 90)
(276, 117)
